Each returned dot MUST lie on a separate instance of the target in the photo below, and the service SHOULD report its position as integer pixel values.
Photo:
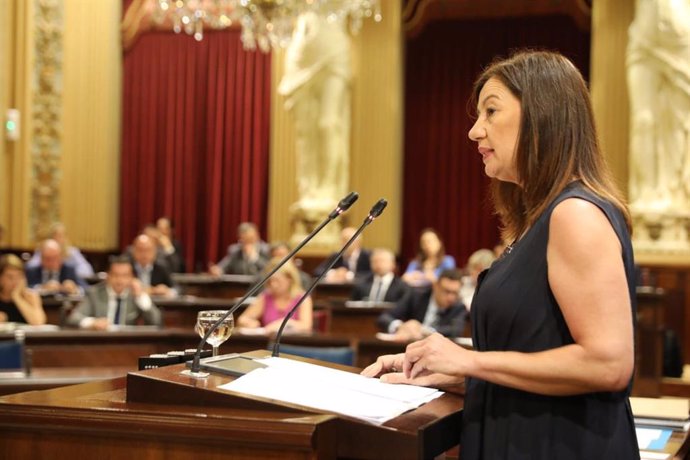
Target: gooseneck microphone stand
(376, 211)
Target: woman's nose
(476, 132)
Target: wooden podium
(161, 413)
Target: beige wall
(91, 122)
(78, 112)
(376, 151)
(16, 47)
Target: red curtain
(444, 182)
(195, 139)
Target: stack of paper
(666, 412)
(331, 390)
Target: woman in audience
(70, 255)
(430, 261)
(18, 304)
(283, 290)
(479, 261)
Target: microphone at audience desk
(376, 211)
(343, 205)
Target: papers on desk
(662, 412)
(128, 328)
(252, 330)
(462, 341)
(653, 439)
(368, 304)
(331, 390)
(11, 327)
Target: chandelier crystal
(265, 23)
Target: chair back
(336, 355)
(11, 355)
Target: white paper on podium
(331, 390)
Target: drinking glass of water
(206, 319)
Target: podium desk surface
(119, 419)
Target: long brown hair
(557, 142)
(438, 257)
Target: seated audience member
(421, 313)
(18, 304)
(166, 256)
(479, 261)
(154, 276)
(119, 300)
(279, 250)
(354, 263)
(431, 260)
(170, 245)
(246, 257)
(53, 275)
(70, 255)
(382, 285)
(283, 290)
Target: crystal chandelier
(265, 23)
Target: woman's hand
(389, 369)
(436, 355)
(19, 290)
(384, 364)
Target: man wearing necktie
(382, 285)
(120, 300)
(54, 276)
(154, 277)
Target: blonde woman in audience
(479, 261)
(431, 260)
(18, 303)
(71, 255)
(283, 290)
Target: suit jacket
(362, 268)
(159, 275)
(414, 306)
(34, 276)
(396, 290)
(95, 304)
(234, 262)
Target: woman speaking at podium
(552, 318)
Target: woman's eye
(490, 111)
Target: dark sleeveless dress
(514, 310)
(13, 313)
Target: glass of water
(206, 319)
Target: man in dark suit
(246, 257)
(53, 275)
(154, 277)
(119, 300)
(354, 263)
(423, 312)
(172, 247)
(381, 285)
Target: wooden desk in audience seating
(232, 286)
(358, 322)
(162, 414)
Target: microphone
(376, 211)
(342, 206)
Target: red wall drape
(195, 139)
(444, 183)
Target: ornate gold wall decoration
(46, 114)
